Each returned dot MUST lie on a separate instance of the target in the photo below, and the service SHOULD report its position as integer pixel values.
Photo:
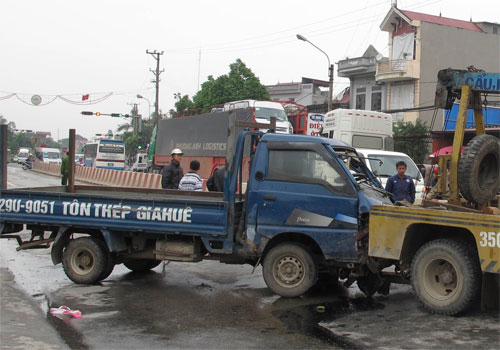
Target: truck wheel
(479, 169)
(85, 260)
(141, 265)
(110, 267)
(446, 276)
(290, 270)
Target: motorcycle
(27, 165)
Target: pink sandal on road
(64, 310)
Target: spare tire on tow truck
(479, 169)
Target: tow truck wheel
(446, 276)
(85, 260)
(290, 270)
(141, 265)
(479, 169)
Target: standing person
(171, 175)
(65, 169)
(192, 181)
(434, 180)
(400, 185)
(216, 181)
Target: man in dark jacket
(216, 181)
(172, 174)
(401, 185)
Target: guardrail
(106, 177)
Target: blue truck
(302, 215)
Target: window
(376, 102)
(306, 167)
(372, 142)
(360, 98)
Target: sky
(61, 50)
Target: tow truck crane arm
(466, 85)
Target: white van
(263, 111)
(383, 165)
(48, 155)
(141, 163)
(359, 128)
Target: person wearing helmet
(172, 174)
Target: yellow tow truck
(450, 250)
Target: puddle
(307, 318)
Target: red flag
(85, 97)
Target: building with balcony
(365, 92)
(419, 46)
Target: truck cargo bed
(121, 209)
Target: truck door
(302, 188)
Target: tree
(142, 139)
(241, 83)
(412, 139)
(183, 104)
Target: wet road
(209, 305)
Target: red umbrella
(445, 150)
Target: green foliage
(143, 138)
(412, 140)
(183, 104)
(240, 84)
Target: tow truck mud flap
(490, 291)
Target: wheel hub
(289, 270)
(83, 261)
(441, 279)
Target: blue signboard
(491, 117)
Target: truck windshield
(267, 113)
(388, 167)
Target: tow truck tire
(446, 276)
(290, 270)
(479, 169)
(85, 260)
(141, 265)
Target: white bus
(263, 111)
(105, 154)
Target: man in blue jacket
(400, 185)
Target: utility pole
(156, 55)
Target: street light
(330, 71)
(149, 104)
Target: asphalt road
(209, 305)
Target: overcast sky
(71, 48)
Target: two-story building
(419, 46)
(366, 93)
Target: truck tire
(479, 169)
(446, 276)
(85, 260)
(109, 268)
(290, 270)
(141, 265)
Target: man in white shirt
(192, 181)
